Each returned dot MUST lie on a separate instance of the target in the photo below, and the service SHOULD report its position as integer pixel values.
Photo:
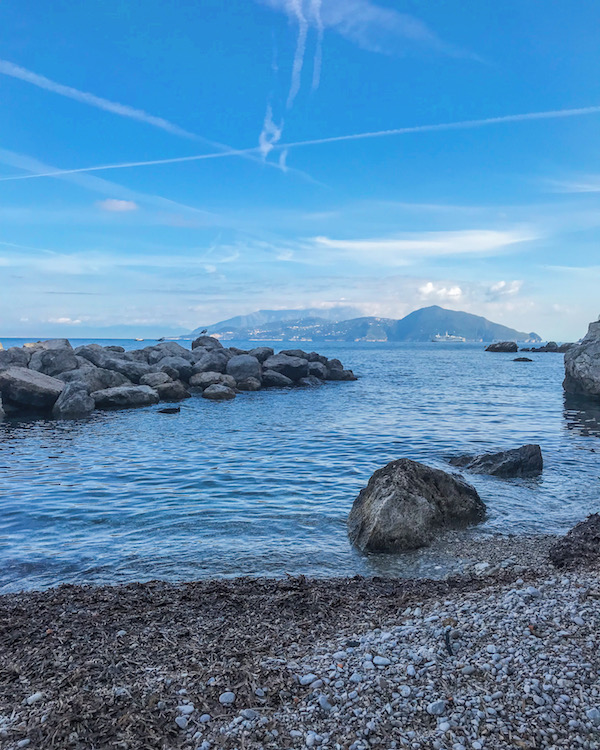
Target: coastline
(117, 666)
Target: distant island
(340, 324)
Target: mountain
(321, 325)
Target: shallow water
(262, 485)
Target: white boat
(447, 337)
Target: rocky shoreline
(503, 657)
(50, 378)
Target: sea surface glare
(262, 485)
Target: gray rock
(28, 388)
(295, 353)
(218, 393)
(215, 361)
(293, 368)
(50, 344)
(261, 353)
(53, 361)
(522, 359)
(580, 546)
(317, 370)
(183, 367)
(168, 349)
(436, 708)
(205, 379)
(155, 378)
(74, 402)
(227, 698)
(207, 342)
(406, 502)
(115, 349)
(310, 382)
(503, 346)
(249, 384)
(343, 375)
(138, 355)
(272, 379)
(96, 354)
(173, 391)
(125, 397)
(244, 366)
(133, 371)
(525, 461)
(582, 364)
(234, 351)
(15, 356)
(95, 378)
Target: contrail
(315, 8)
(461, 125)
(295, 8)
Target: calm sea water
(262, 485)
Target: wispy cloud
(315, 11)
(270, 134)
(117, 206)
(439, 127)
(295, 8)
(584, 184)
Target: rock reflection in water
(582, 415)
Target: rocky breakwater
(582, 364)
(53, 378)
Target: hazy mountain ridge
(315, 324)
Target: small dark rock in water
(522, 359)
(526, 461)
(581, 545)
(406, 502)
(503, 346)
(170, 410)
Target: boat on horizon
(447, 337)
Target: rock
(14, 356)
(295, 353)
(169, 410)
(522, 359)
(580, 546)
(74, 402)
(293, 368)
(107, 360)
(261, 353)
(582, 364)
(173, 391)
(211, 362)
(406, 502)
(115, 349)
(125, 397)
(551, 346)
(565, 347)
(272, 379)
(244, 366)
(96, 354)
(155, 378)
(168, 349)
(526, 461)
(336, 374)
(29, 388)
(317, 370)
(227, 698)
(95, 378)
(218, 393)
(183, 367)
(205, 379)
(50, 344)
(53, 361)
(181, 722)
(503, 346)
(310, 382)
(207, 342)
(2, 412)
(138, 355)
(234, 351)
(249, 384)
(436, 708)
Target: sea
(262, 485)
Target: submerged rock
(218, 393)
(582, 364)
(503, 346)
(74, 402)
(526, 461)
(173, 391)
(522, 359)
(125, 397)
(405, 503)
(581, 545)
(29, 389)
(272, 379)
(249, 384)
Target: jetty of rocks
(52, 378)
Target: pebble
(23, 743)
(227, 698)
(437, 708)
(381, 661)
(181, 722)
(249, 713)
(205, 718)
(187, 709)
(324, 703)
(34, 698)
(308, 678)
(121, 633)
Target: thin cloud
(118, 206)
(586, 184)
(460, 125)
(295, 8)
(270, 134)
(315, 11)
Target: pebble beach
(507, 657)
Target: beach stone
(74, 402)
(16, 356)
(29, 388)
(436, 708)
(182, 722)
(406, 502)
(503, 346)
(207, 342)
(581, 545)
(173, 391)
(218, 392)
(125, 397)
(582, 364)
(249, 384)
(525, 461)
(272, 379)
(205, 379)
(262, 353)
(227, 698)
(53, 361)
(244, 366)
(155, 378)
(293, 368)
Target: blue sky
(471, 177)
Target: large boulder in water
(244, 366)
(582, 364)
(204, 380)
(95, 378)
(207, 342)
(28, 388)
(405, 503)
(74, 402)
(125, 397)
(53, 361)
(293, 368)
(525, 461)
(218, 392)
(272, 379)
(503, 346)
(580, 546)
(15, 356)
